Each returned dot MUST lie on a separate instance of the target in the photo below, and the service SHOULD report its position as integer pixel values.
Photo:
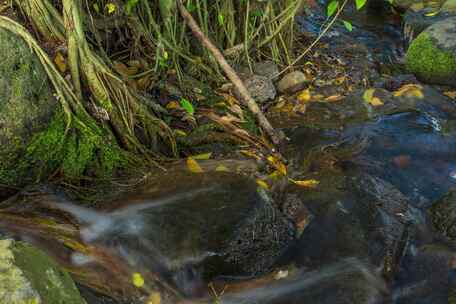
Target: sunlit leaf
(451, 94)
(221, 19)
(431, 14)
(262, 184)
(277, 164)
(369, 97)
(410, 90)
(193, 166)
(332, 7)
(334, 98)
(309, 183)
(172, 105)
(137, 279)
(304, 96)
(187, 105)
(348, 25)
(222, 168)
(60, 62)
(111, 8)
(360, 4)
(249, 154)
(204, 156)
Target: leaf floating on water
(222, 168)
(451, 94)
(137, 279)
(334, 98)
(262, 184)
(193, 166)
(203, 156)
(410, 90)
(308, 183)
(369, 97)
(60, 62)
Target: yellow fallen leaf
(262, 184)
(309, 183)
(249, 154)
(451, 94)
(203, 156)
(410, 90)
(304, 96)
(369, 97)
(154, 298)
(340, 80)
(277, 164)
(193, 166)
(334, 98)
(222, 168)
(60, 62)
(172, 105)
(137, 279)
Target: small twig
(312, 45)
(275, 136)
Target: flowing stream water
(367, 237)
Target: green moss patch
(77, 151)
(429, 63)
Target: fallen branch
(275, 136)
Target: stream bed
(365, 234)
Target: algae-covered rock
(432, 55)
(29, 276)
(26, 101)
(443, 215)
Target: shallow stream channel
(380, 226)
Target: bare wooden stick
(275, 136)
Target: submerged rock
(27, 275)
(432, 55)
(443, 215)
(26, 102)
(219, 224)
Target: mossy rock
(27, 103)
(432, 55)
(29, 276)
(443, 215)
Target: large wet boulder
(443, 215)
(28, 275)
(415, 22)
(27, 103)
(432, 55)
